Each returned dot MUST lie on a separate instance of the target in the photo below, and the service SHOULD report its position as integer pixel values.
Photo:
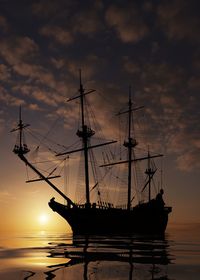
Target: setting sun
(43, 219)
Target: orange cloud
(8, 99)
(5, 72)
(18, 49)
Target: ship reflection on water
(53, 255)
(111, 258)
(63, 256)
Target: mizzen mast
(150, 173)
(130, 144)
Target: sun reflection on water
(42, 254)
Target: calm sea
(47, 255)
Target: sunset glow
(43, 219)
(99, 139)
(116, 44)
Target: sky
(151, 45)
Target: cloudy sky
(151, 45)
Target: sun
(43, 219)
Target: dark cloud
(58, 34)
(51, 9)
(128, 22)
(151, 45)
(180, 19)
(4, 26)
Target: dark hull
(145, 218)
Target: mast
(22, 149)
(129, 151)
(86, 133)
(150, 172)
(130, 144)
(24, 159)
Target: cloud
(4, 26)
(49, 9)
(34, 107)
(130, 66)
(17, 49)
(2, 123)
(87, 66)
(5, 72)
(170, 95)
(194, 82)
(60, 35)
(180, 19)
(8, 99)
(37, 94)
(44, 96)
(161, 79)
(127, 22)
(37, 73)
(87, 22)
(58, 62)
(188, 161)
(22, 56)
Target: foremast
(22, 149)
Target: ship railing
(98, 205)
(104, 205)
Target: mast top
(21, 148)
(80, 79)
(130, 99)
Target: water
(45, 255)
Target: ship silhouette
(97, 216)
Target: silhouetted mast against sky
(150, 172)
(21, 149)
(86, 133)
(130, 144)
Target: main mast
(86, 133)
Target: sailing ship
(100, 217)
